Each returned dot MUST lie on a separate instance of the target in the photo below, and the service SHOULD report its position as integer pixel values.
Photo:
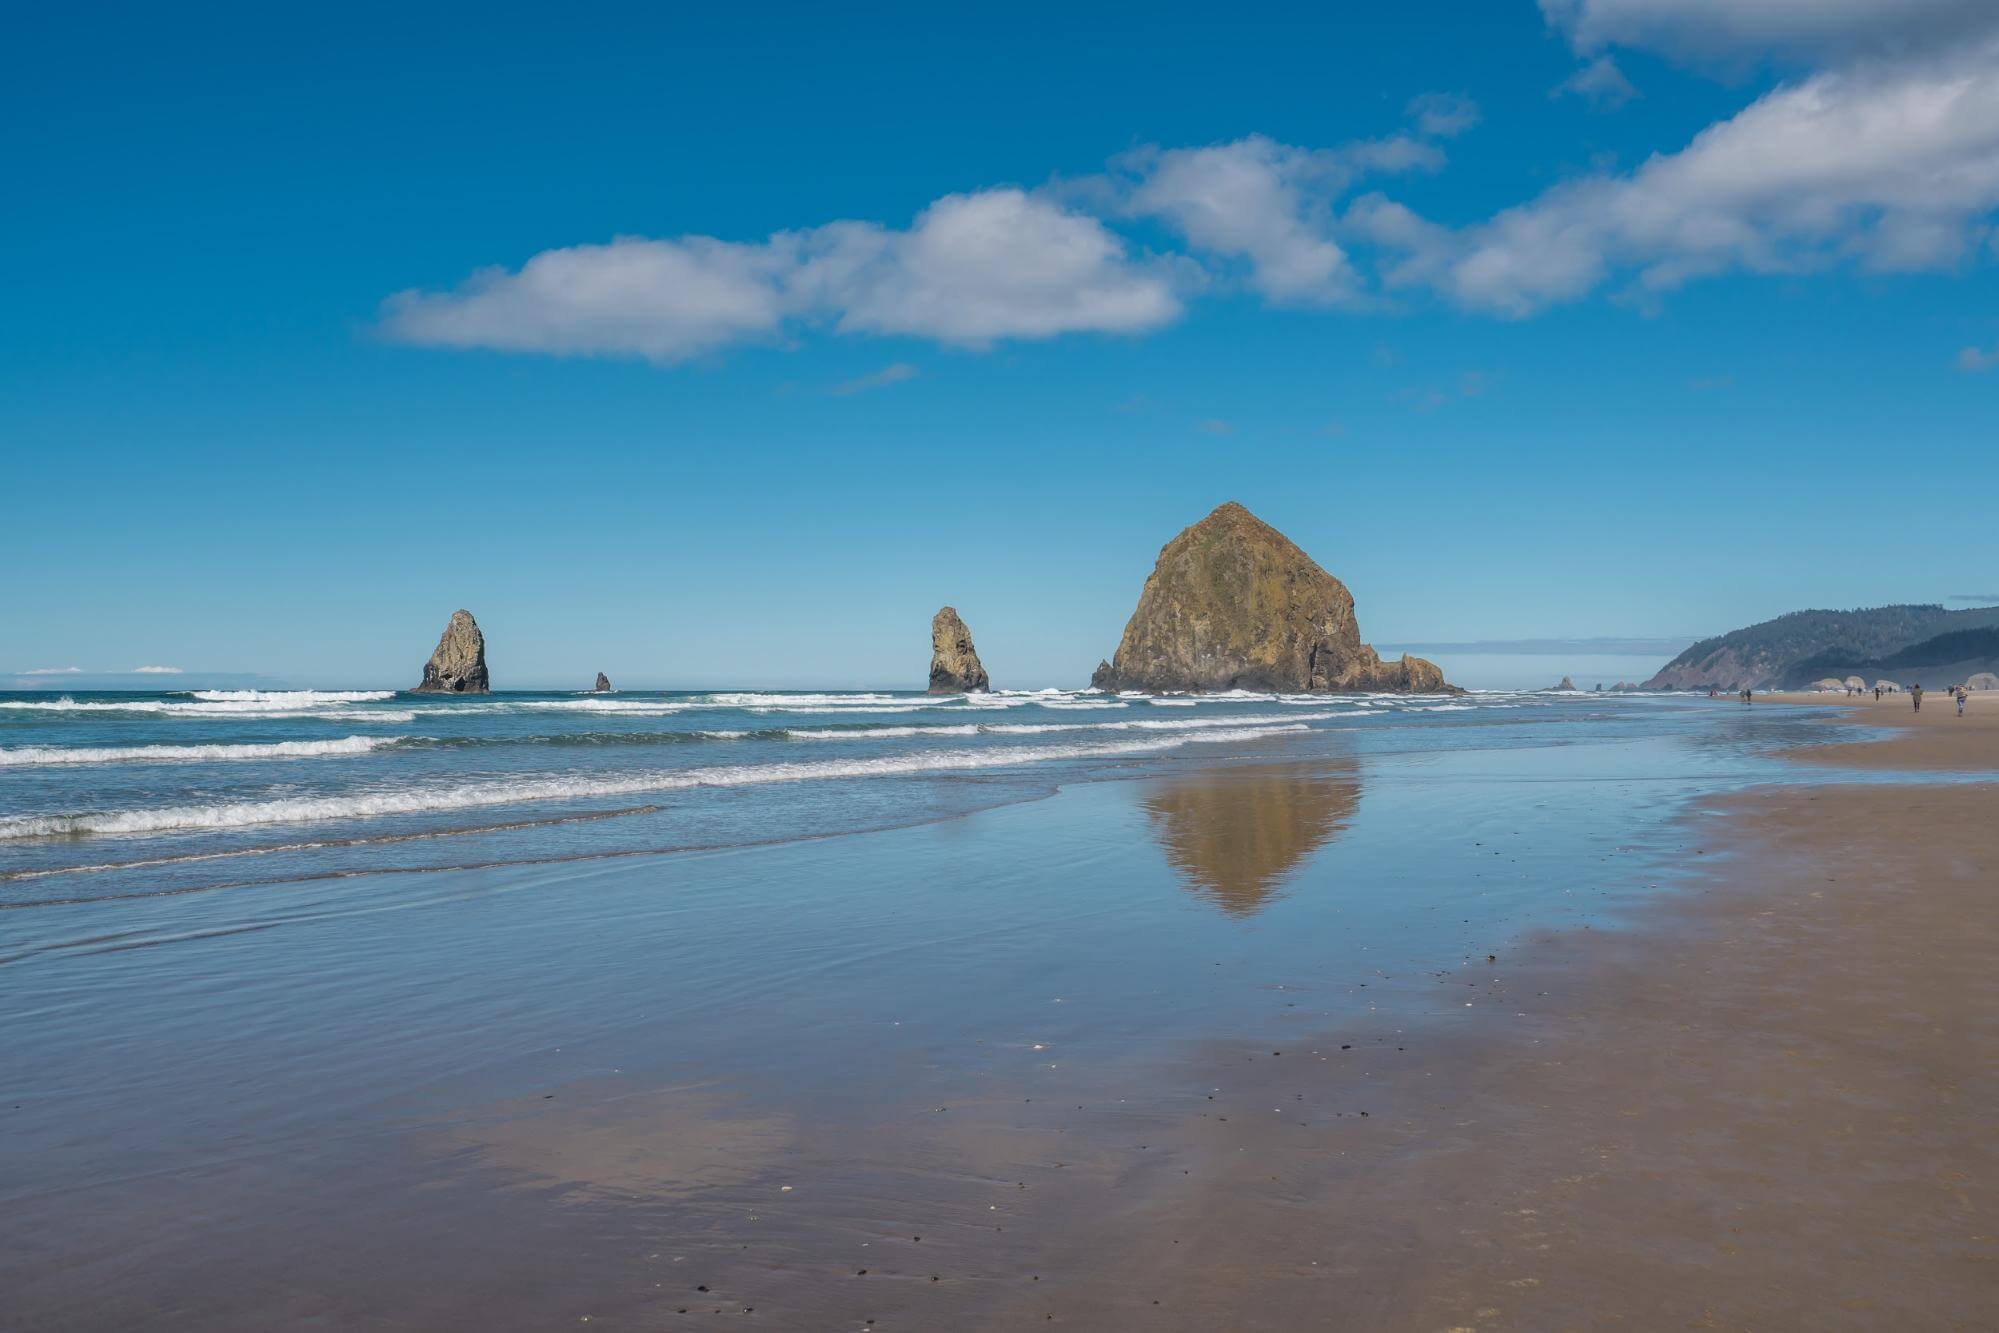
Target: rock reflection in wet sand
(1235, 834)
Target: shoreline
(1767, 1103)
(1760, 1098)
(1936, 739)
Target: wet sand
(1771, 1105)
(1937, 739)
(1763, 1100)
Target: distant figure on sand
(1746, 696)
(1877, 694)
(1916, 695)
(1960, 692)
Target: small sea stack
(459, 664)
(1234, 604)
(603, 685)
(954, 664)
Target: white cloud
(1251, 199)
(880, 379)
(1737, 29)
(1890, 165)
(1269, 204)
(972, 269)
(156, 671)
(1601, 83)
(54, 671)
(977, 268)
(1977, 360)
(1443, 115)
(662, 300)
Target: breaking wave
(294, 698)
(232, 709)
(470, 796)
(35, 756)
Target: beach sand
(1768, 1105)
(1764, 1100)
(1937, 739)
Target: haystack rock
(603, 685)
(459, 664)
(1234, 604)
(954, 664)
(1564, 684)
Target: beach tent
(1855, 683)
(1887, 687)
(1984, 680)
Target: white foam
(405, 800)
(1180, 724)
(294, 698)
(634, 707)
(213, 708)
(35, 756)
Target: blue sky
(1599, 317)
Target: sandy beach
(1769, 1104)
(1255, 1047)
(1938, 738)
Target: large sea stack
(603, 685)
(954, 664)
(459, 664)
(1233, 604)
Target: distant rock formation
(603, 685)
(1829, 685)
(459, 664)
(1983, 680)
(954, 664)
(1234, 604)
(1564, 684)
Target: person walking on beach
(1960, 700)
(1916, 694)
(1877, 694)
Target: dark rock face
(459, 664)
(1564, 684)
(954, 664)
(603, 685)
(1234, 604)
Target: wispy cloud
(895, 373)
(54, 671)
(1981, 598)
(1443, 115)
(1600, 83)
(1216, 426)
(156, 671)
(1976, 361)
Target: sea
(117, 795)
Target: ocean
(109, 795)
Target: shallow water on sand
(517, 1094)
